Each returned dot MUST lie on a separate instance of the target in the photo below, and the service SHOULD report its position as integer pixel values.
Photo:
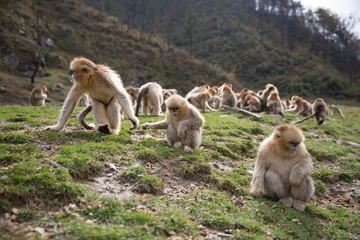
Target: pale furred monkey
(150, 96)
(274, 104)
(228, 97)
(202, 88)
(319, 112)
(253, 103)
(200, 99)
(283, 167)
(106, 92)
(38, 96)
(336, 109)
(183, 124)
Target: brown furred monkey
(302, 107)
(107, 94)
(319, 112)
(274, 105)
(150, 96)
(183, 124)
(283, 167)
(37, 96)
(265, 94)
(134, 93)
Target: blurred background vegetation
(181, 44)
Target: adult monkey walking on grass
(107, 94)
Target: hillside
(77, 184)
(259, 42)
(58, 31)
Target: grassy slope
(194, 194)
(78, 30)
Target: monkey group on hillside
(283, 165)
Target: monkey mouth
(293, 149)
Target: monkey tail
(138, 102)
(304, 119)
(82, 116)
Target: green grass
(215, 179)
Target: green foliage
(191, 193)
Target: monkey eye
(84, 69)
(176, 108)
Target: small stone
(39, 230)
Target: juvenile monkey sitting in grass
(183, 124)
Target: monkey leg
(172, 137)
(192, 139)
(145, 106)
(156, 107)
(114, 117)
(275, 188)
(302, 193)
(100, 115)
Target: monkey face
(175, 104)
(81, 68)
(289, 137)
(174, 111)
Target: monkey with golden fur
(228, 97)
(183, 124)
(336, 109)
(301, 107)
(283, 167)
(38, 96)
(150, 96)
(274, 104)
(319, 111)
(106, 92)
(265, 95)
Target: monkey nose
(293, 149)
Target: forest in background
(311, 53)
(180, 44)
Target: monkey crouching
(283, 167)
(183, 124)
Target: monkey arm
(68, 108)
(299, 170)
(40, 96)
(258, 179)
(195, 123)
(124, 100)
(157, 125)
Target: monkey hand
(135, 123)
(294, 181)
(181, 131)
(145, 126)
